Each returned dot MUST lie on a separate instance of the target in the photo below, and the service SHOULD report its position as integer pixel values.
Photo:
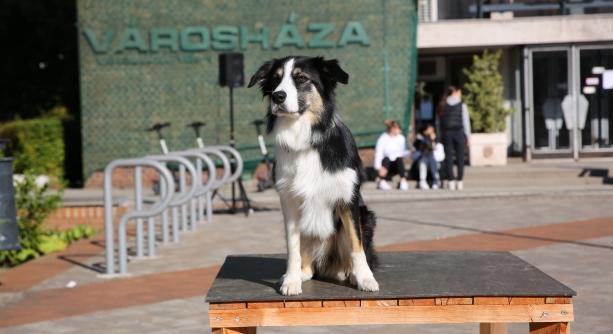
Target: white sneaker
(435, 185)
(383, 185)
(460, 185)
(404, 185)
(451, 185)
(423, 185)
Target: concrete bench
(489, 288)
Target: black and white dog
(329, 230)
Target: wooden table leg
(549, 328)
(493, 328)
(235, 330)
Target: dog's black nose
(278, 97)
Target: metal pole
(108, 220)
(164, 218)
(151, 236)
(182, 185)
(154, 210)
(175, 224)
(138, 188)
(198, 199)
(232, 141)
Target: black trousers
(395, 167)
(454, 142)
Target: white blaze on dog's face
(284, 98)
(298, 85)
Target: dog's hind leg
(306, 257)
(360, 271)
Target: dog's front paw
(291, 285)
(368, 284)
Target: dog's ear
(261, 73)
(332, 70)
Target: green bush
(37, 145)
(34, 204)
(484, 97)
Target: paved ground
(543, 212)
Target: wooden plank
(558, 300)
(227, 306)
(235, 330)
(312, 303)
(307, 303)
(527, 300)
(341, 303)
(417, 302)
(549, 328)
(266, 305)
(454, 301)
(493, 328)
(378, 302)
(329, 316)
(492, 300)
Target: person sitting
(427, 157)
(390, 149)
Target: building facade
(143, 62)
(557, 66)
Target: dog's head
(298, 85)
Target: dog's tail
(368, 223)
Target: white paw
(368, 284)
(291, 285)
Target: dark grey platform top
(400, 275)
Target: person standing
(454, 124)
(390, 149)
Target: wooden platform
(490, 288)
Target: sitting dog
(328, 228)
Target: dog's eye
(301, 78)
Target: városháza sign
(224, 38)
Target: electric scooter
(157, 127)
(267, 181)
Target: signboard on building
(144, 62)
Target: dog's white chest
(302, 174)
(301, 177)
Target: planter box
(488, 149)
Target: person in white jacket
(390, 149)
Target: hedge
(36, 144)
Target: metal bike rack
(169, 198)
(237, 156)
(182, 197)
(201, 188)
(207, 196)
(165, 200)
(236, 159)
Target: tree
(484, 93)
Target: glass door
(549, 93)
(595, 104)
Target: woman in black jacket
(454, 124)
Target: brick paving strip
(118, 293)
(31, 273)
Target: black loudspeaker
(231, 70)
